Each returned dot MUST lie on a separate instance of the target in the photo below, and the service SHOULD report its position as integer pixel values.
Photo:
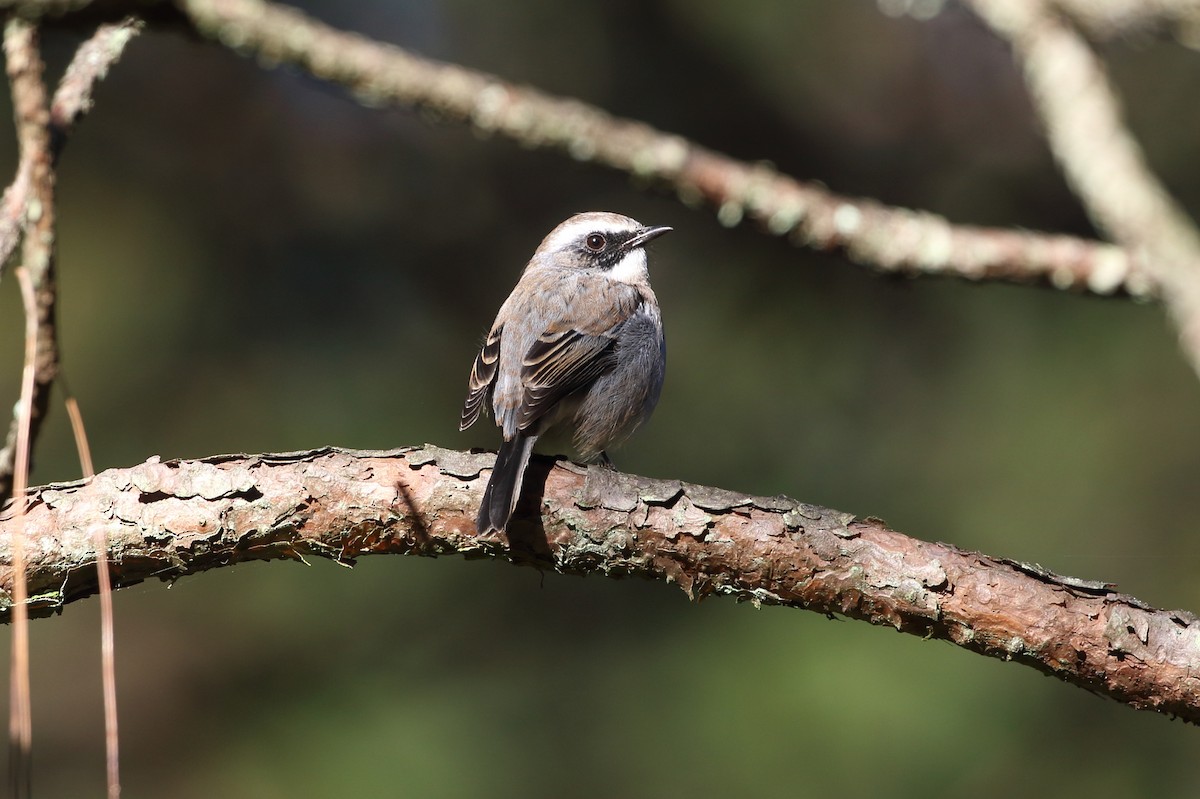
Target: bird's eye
(596, 242)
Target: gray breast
(624, 397)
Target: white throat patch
(631, 269)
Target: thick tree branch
(168, 520)
(1100, 157)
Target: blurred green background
(252, 262)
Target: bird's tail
(504, 486)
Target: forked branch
(28, 205)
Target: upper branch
(884, 237)
(1108, 18)
(887, 238)
(1100, 157)
(167, 520)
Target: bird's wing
(483, 376)
(560, 362)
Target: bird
(578, 346)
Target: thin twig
(80, 434)
(13, 208)
(24, 66)
(90, 65)
(112, 738)
(20, 724)
(72, 101)
(31, 115)
(29, 201)
(1101, 159)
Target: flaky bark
(169, 520)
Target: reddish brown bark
(168, 520)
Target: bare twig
(89, 66)
(24, 66)
(167, 520)
(80, 434)
(72, 101)
(20, 724)
(12, 213)
(112, 738)
(32, 116)
(42, 131)
(1101, 160)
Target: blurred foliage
(252, 262)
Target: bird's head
(602, 242)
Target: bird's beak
(645, 236)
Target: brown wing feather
(483, 375)
(559, 363)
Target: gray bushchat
(578, 345)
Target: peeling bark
(167, 520)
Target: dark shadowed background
(250, 261)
